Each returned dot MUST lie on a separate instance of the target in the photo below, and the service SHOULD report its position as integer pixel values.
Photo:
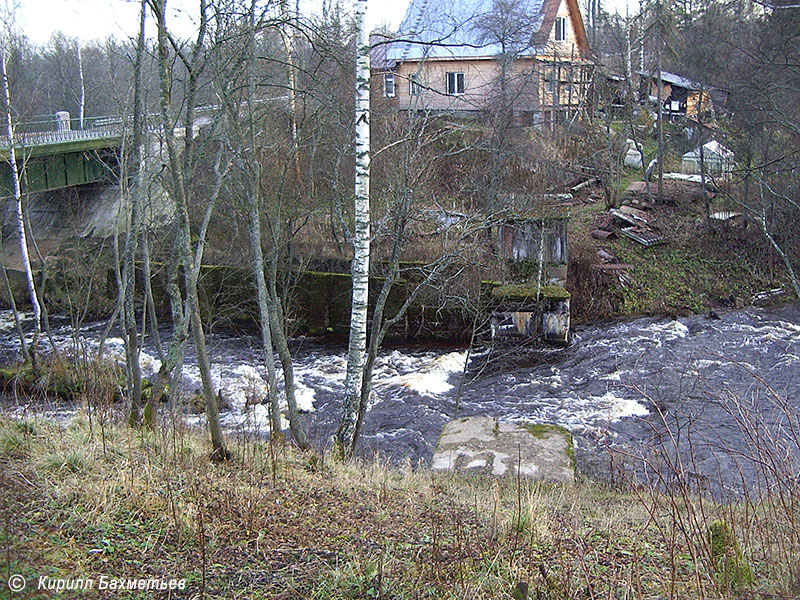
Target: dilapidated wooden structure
(530, 311)
(682, 97)
(535, 246)
(533, 302)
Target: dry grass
(275, 523)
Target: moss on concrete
(545, 430)
(529, 291)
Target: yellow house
(530, 57)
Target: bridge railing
(52, 130)
(57, 128)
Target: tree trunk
(277, 319)
(254, 224)
(264, 312)
(361, 247)
(379, 324)
(151, 304)
(82, 107)
(660, 116)
(181, 173)
(135, 212)
(219, 452)
(282, 346)
(20, 221)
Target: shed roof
(468, 29)
(678, 80)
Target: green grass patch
(694, 269)
(678, 279)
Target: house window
(414, 85)
(561, 29)
(388, 85)
(549, 80)
(455, 84)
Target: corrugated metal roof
(678, 80)
(466, 29)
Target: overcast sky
(97, 19)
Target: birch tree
(19, 215)
(345, 434)
(82, 99)
(407, 165)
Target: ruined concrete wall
(318, 304)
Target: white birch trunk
(82, 110)
(289, 46)
(361, 245)
(20, 218)
(628, 50)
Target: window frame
(389, 80)
(414, 85)
(561, 24)
(549, 77)
(455, 77)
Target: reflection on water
(618, 385)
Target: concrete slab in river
(484, 445)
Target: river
(718, 390)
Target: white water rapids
(618, 386)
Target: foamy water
(603, 387)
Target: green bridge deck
(59, 159)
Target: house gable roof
(467, 29)
(463, 29)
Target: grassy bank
(87, 499)
(698, 266)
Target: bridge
(57, 153)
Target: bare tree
(345, 435)
(136, 192)
(180, 186)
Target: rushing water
(634, 387)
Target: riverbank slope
(698, 265)
(92, 498)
